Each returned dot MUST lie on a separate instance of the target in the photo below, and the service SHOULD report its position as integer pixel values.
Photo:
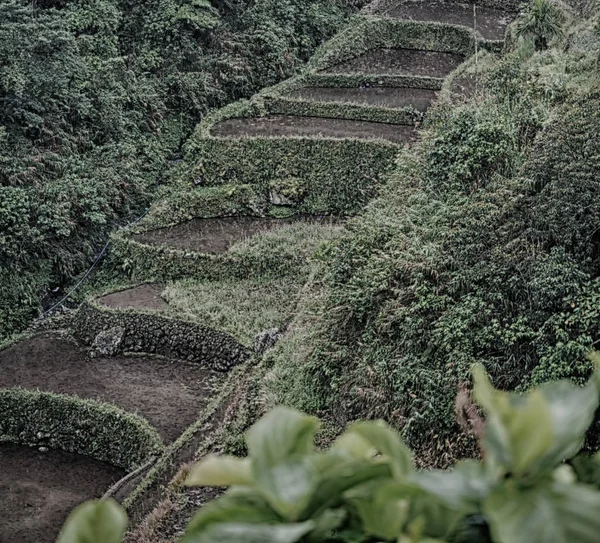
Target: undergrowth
(483, 247)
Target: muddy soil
(290, 125)
(38, 490)
(400, 62)
(168, 393)
(216, 235)
(490, 23)
(145, 296)
(391, 97)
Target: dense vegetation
(484, 247)
(97, 95)
(365, 488)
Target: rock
(43, 449)
(278, 199)
(266, 339)
(108, 342)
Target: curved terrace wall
(91, 428)
(161, 335)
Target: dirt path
(169, 394)
(275, 126)
(38, 490)
(400, 62)
(491, 23)
(390, 97)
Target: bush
(365, 488)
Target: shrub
(365, 488)
(542, 22)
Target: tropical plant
(365, 488)
(542, 22)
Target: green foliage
(365, 488)
(542, 22)
(96, 96)
(272, 254)
(87, 427)
(481, 248)
(95, 522)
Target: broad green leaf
(386, 441)
(98, 521)
(572, 410)
(353, 445)
(381, 516)
(220, 471)
(550, 512)
(437, 517)
(279, 445)
(518, 430)
(338, 474)
(288, 487)
(461, 488)
(325, 524)
(281, 435)
(238, 532)
(241, 506)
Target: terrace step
(169, 395)
(414, 62)
(390, 97)
(276, 126)
(213, 236)
(39, 490)
(490, 23)
(146, 296)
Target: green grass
(246, 307)
(241, 308)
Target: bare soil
(146, 296)
(400, 62)
(168, 393)
(391, 97)
(490, 23)
(216, 235)
(39, 490)
(290, 125)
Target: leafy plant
(542, 22)
(365, 488)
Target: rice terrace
(216, 216)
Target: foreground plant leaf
(242, 505)
(552, 512)
(533, 432)
(238, 532)
(220, 471)
(280, 445)
(99, 521)
(381, 516)
(386, 441)
(518, 429)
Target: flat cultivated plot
(168, 393)
(39, 489)
(490, 23)
(392, 97)
(275, 126)
(400, 62)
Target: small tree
(542, 22)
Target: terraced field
(277, 126)
(391, 97)
(400, 62)
(214, 271)
(490, 23)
